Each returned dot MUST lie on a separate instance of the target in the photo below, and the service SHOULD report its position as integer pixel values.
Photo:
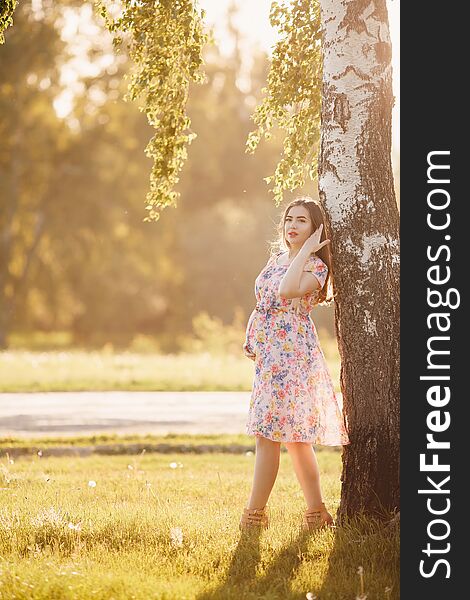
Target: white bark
(351, 69)
(356, 189)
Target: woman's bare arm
(297, 282)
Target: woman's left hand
(312, 243)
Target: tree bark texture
(357, 193)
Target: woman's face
(297, 226)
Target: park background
(93, 298)
(85, 271)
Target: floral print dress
(293, 398)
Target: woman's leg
(266, 469)
(307, 471)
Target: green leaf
(165, 41)
(293, 94)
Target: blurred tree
(32, 138)
(72, 254)
(94, 267)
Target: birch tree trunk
(356, 190)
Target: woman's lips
(292, 233)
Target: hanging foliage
(164, 39)
(7, 7)
(292, 99)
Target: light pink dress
(293, 398)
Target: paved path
(72, 413)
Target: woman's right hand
(248, 352)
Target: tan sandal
(317, 519)
(254, 518)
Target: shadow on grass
(243, 581)
(363, 563)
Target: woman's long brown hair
(317, 216)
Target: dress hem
(316, 443)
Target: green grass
(116, 439)
(78, 370)
(81, 370)
(119, 541)
(114, 444)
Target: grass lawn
(129, 440)
(82, 370)
(165, 526)
(79, 370)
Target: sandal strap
(254, 515)
(316, 511)
(317, 518)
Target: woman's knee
(266, 442)
(293, 447)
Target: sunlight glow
(252, 19)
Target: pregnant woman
(293, 400)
